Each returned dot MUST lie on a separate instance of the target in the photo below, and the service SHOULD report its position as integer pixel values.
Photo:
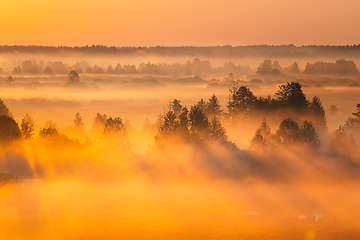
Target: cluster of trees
(203, 121)
(269, 67)
(199, 126)
(50, 134)
(340, 67)
(288, 100)
(195, 67)
(289, 132)
(200, 123)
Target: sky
(179, 23)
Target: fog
(162, 146)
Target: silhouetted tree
(9, 129)
(176, 107)
(291, 95)
(317, 110)
(265, 67)
(288, 131)
(48, 70)
(212, 107)
(114, 126)
(99, 122)
(27, 126)
(262, 135)
(295, 68)
(78, 123)
(73, 77)
(110, 70)
(201, 105)
(3, 109)
(198, 122)
(50, 135)
(263, 104)
(49, 130)
(354, 123)
(308, 135)
(217, 131)
(184, 122)
(241, 100)
(169, 124)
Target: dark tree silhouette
(27, 126)
(176, 107)
(263, 104)
(50, 130)
(217, 131)
(354, 123)
(73, 77)
(265, 67)
(241, 100)
(295, 68)
(262, 135)
(9, 129)
(308, 135)
(198, 121)
(114, 126)
(51, 136)
(48, 70)
(291, 95)
(169, 124)
(288, 131)
(3, 109)
(78, 123)
(99, 122)
(317, 110)
(201, 105)
(184, 121)
(212, 107)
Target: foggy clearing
(152, 146)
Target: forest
(192, 146)
(189, 138)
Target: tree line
(202, 122)
(202, 126)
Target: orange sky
(186, 22)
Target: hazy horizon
(155, 119)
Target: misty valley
(180, 143)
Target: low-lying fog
(185, 148)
